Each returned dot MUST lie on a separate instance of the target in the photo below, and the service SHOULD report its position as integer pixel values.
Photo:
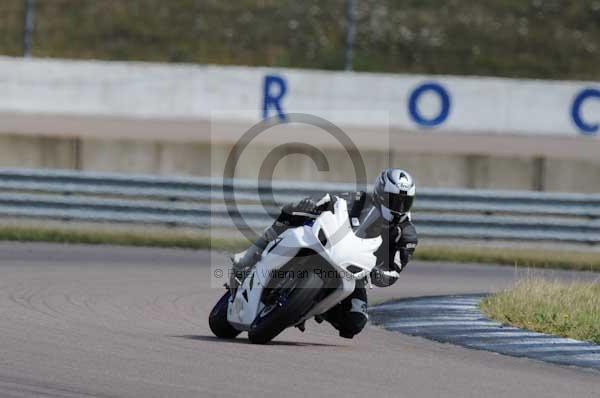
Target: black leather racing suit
(399, 236)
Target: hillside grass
(564, 309)
(513, 38)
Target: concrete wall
(24, 151)
(185, 119)
(236, 94)
(196, 159)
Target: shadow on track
(214, 339)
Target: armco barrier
(200, 202)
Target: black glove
(382, 277)
(307, 206)
(406, 242)
(296, 213)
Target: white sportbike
(305, 272)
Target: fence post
(350, 32)
(28, 28)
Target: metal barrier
(201, 202)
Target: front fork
(236, 278)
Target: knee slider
(352, 324)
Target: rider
(385, 212)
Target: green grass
(564, 309)
(171, 239)
(512, 38)
(526, 258)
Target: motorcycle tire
(217, 320)
(299, 302)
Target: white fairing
(342, 249)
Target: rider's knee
(352, 324)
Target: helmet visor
(398, 203)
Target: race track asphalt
(132, 322)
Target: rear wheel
(217, 320)
(291, 305)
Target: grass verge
(527, 258)
(172, 239)
(564, 309)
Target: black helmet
(394, 192)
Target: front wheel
(277, 317)
(217, 320)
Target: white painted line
(558, 347)
(549, 340)
(442, 323)
(595, 357)
(515, 333)
(449, 330)
(427, 306)
(443, 318)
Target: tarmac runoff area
(103, 321)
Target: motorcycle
(302, 274)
